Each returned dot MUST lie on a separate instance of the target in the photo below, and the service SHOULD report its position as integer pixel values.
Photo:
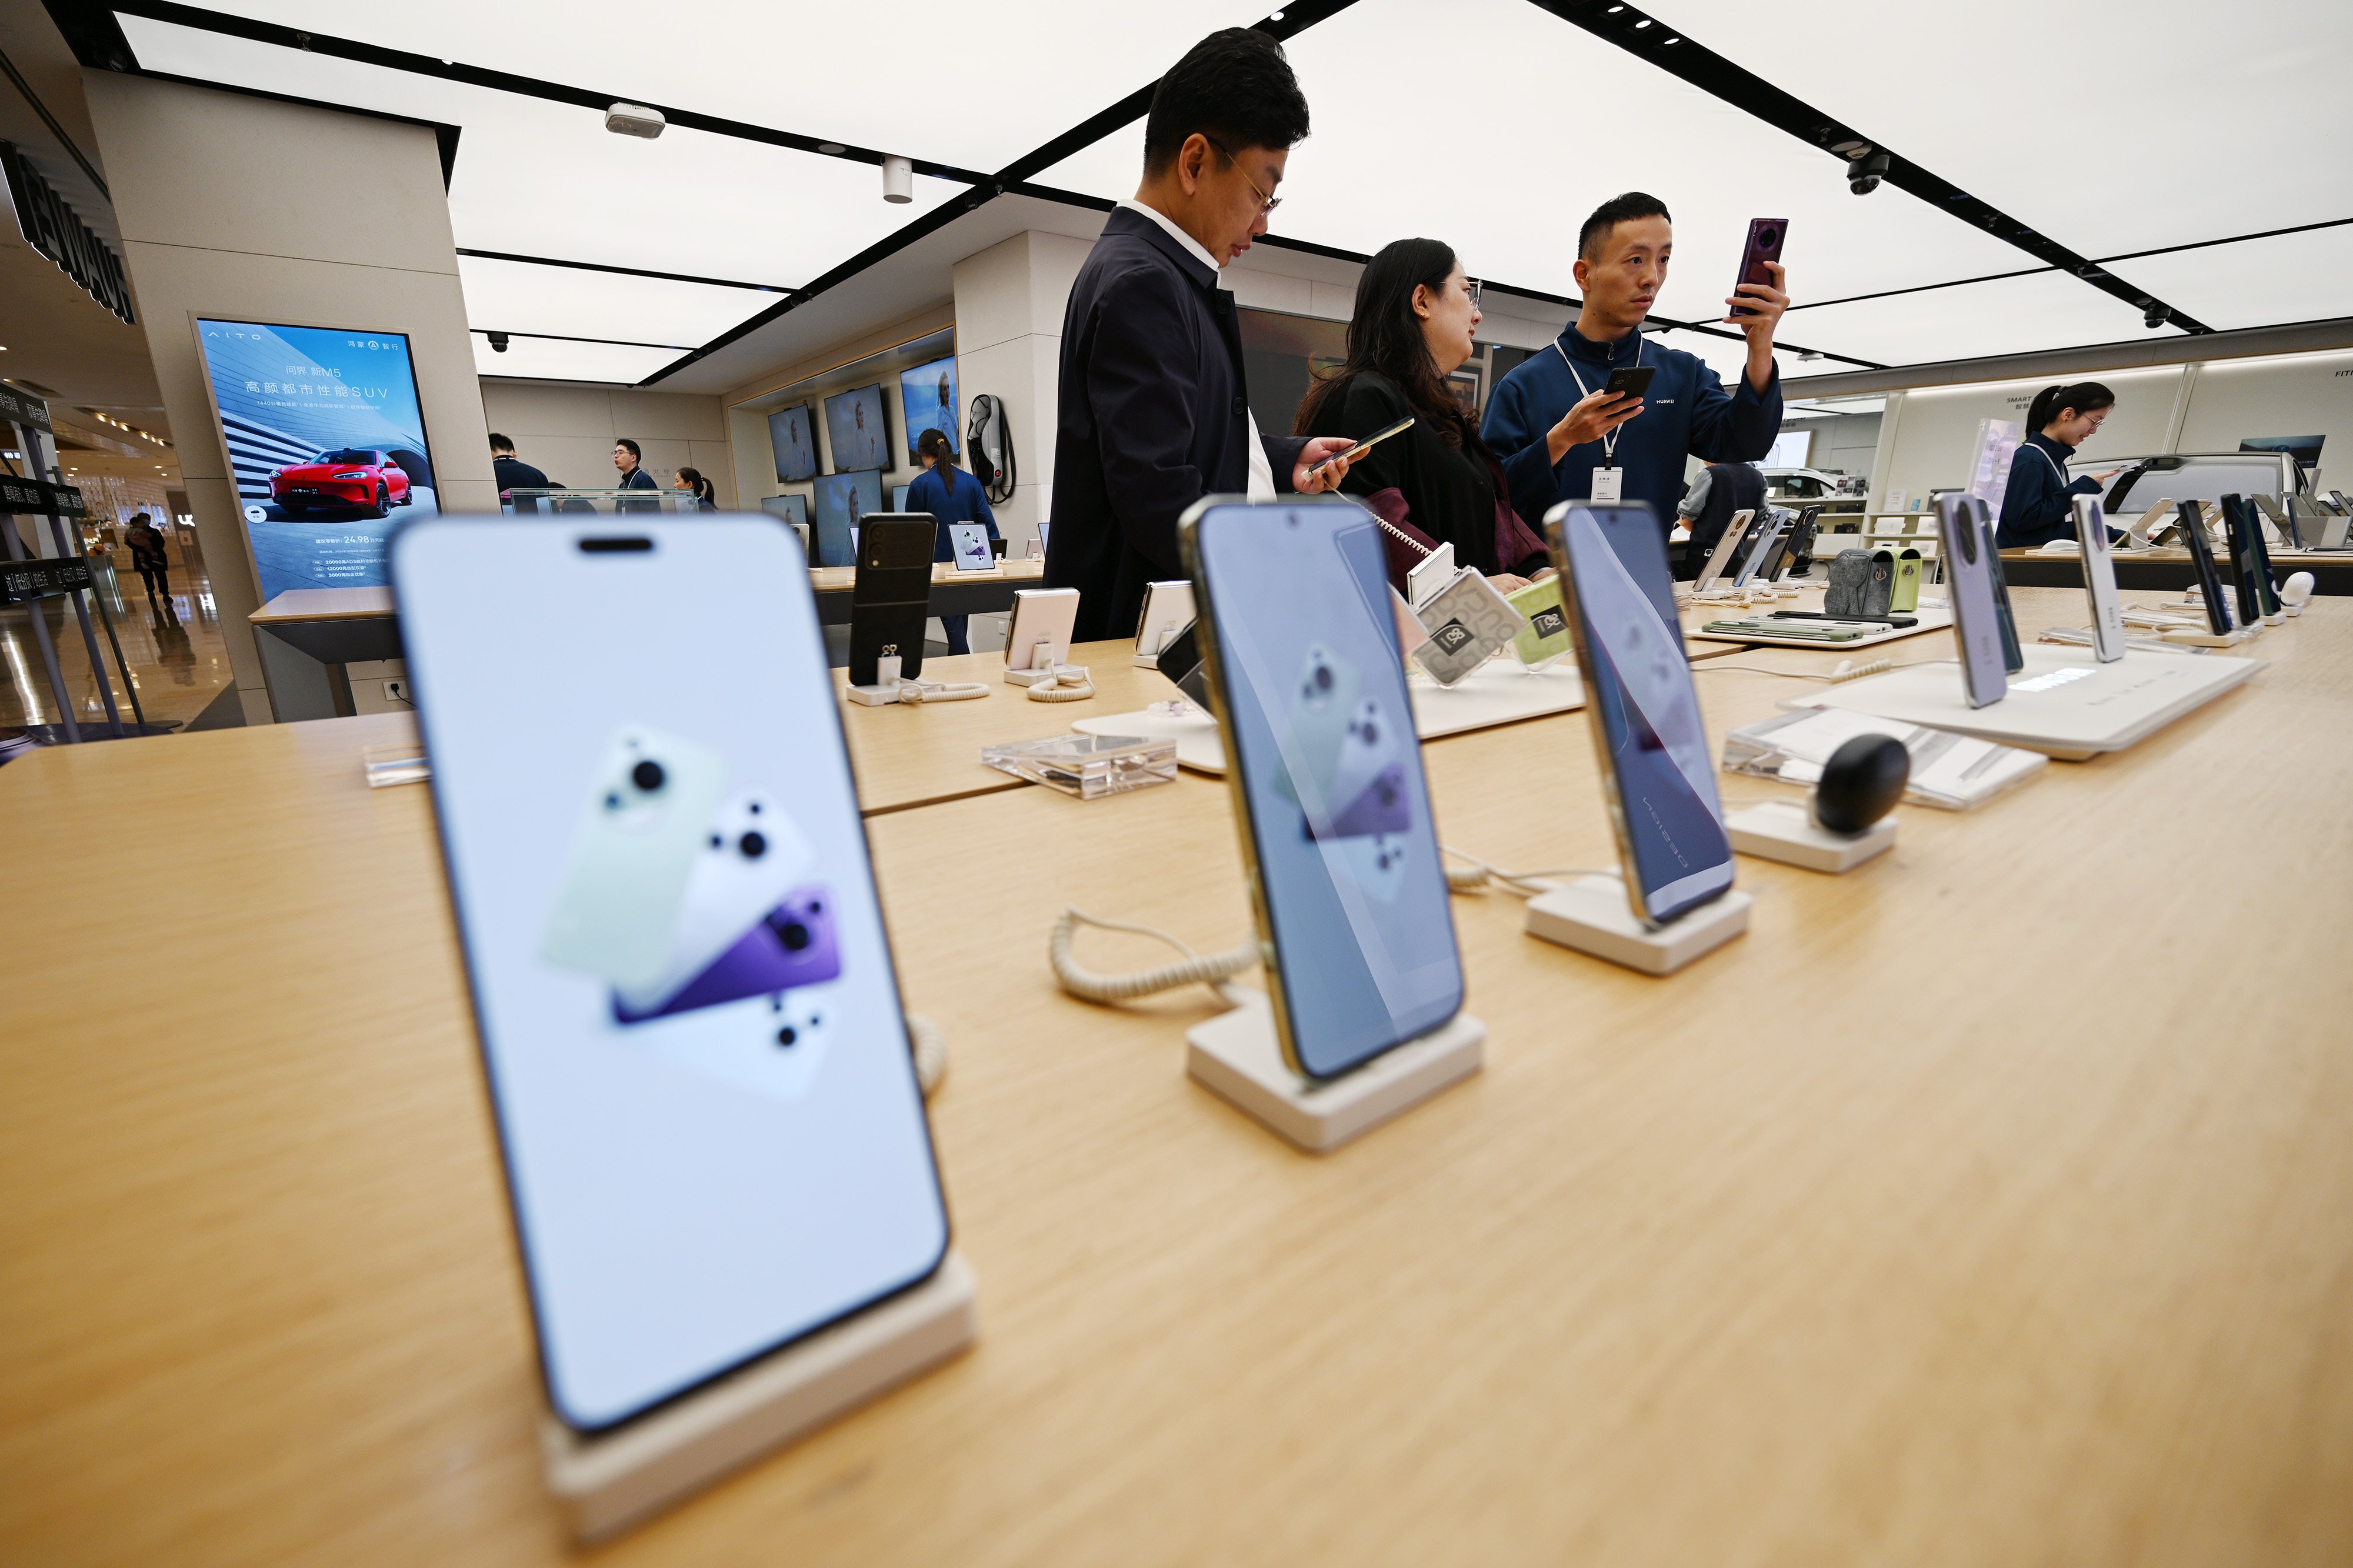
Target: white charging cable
(931, 1049)
(1847, 669)
(1212, 971)
(1063, 683)
(919, 691)
(1478, 876)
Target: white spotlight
(634, 120)
(898, 179)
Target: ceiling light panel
(2111, 125)
(1505, 166)
(549, 359)
(518, 297)
(2304, 277)
(2007, 316)
(537, 178)
(905, 78)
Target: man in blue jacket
(1561, 438)
(1153, 414)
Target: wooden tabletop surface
(841, 579)
(1993, 1202)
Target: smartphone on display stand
(891, 597)
(1168, 610)
(1967, 553)
(1656, 769)
(1725, 549)
(968, 544)
(2014, 655)
(1761, 540)
(2201, 563)
(1038, 632)
(713, 1139)
(2241, 528)
(2100, 580)
(1765, 237)
(1301, 646)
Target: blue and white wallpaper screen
(327, 441)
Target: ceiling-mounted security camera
(497, 342)
(2154, 316)
(1866, 169)
(634, 120)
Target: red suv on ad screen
(344, 477)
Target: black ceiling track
(624, 271)
(1647, 38)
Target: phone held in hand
(1301, 644)
(1976, 622)
(1764, 236)
(1630, 380)
(1656, 768)
(714, 1142)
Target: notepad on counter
(1952, 772)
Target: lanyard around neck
(1609, 438)
(2050, 460)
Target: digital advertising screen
(792, 509)
(927, 394)
(842, 501)
(326, 438)
(794, 440)
(853, 424)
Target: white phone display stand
(1786, 831)
(1235, 1054)
(885, 690)
(1592, 916)
(604, 1483)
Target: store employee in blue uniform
(2038, 505)
(1561, 439)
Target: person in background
(511, 472)
(1436, 482)
(1153, 411)
(627, 460)
(2036, 505)
(950, 495)
(706, 495)
(153, 566)
(1721, 489)
(1555, 427)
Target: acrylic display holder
(606, 1482)
(1234, 1056)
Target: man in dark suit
(1153, 414)
(511, 470)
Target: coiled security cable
(1212, 971)
(1064, 683)
(930, 1045)
(919, 691)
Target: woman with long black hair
(1436, 483)
(706, 494)
(2038, 505)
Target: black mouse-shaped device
(1862, 783)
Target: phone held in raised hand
(1764, 245)
(713, 1139)
(1976, 621)
(1656, 769)
(1301, 644)
(1367, 445)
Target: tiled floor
(178, 660)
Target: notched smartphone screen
(1639, 685)
(1316, 715)
(713, 1138)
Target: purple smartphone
(793, 946)
(1764, 245)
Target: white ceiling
(2111, 125)
(551, 359)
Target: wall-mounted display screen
(927, 397)
(842, 500)
(326, 439)
(853, 424)
(794, 440)
(792, 509)
(2306, 449)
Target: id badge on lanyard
(1608, 485)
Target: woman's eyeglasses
(1266, 204)
(1472, 286)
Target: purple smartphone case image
(1380, 809)
(793, 946)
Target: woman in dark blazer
(1436, 483)
(2038, 504)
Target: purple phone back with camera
(793, 946)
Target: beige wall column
(239, 206)
(1008, 319)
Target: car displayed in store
(356, 476)
(1799, 487)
